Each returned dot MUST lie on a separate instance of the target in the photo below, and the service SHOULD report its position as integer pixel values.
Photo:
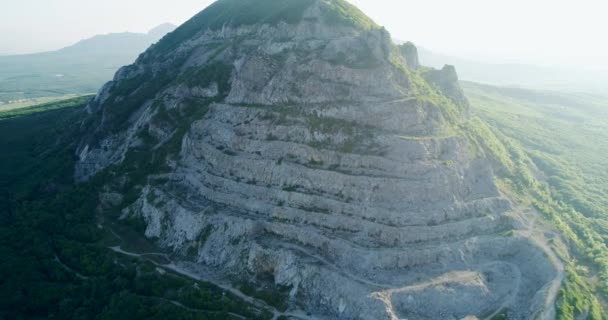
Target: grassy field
(41, 109)
(35, 101)
(565, 137)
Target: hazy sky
(548, 32)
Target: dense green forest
(565, 137)
(56, 261)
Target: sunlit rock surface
(324, 160)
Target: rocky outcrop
(410, 53)
(311, 153)
(446, 81)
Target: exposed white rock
(324, 167)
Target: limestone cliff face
(312, 152)
(410, 53)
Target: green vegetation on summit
(235, 13)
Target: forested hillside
(566, 137)
(56, 257)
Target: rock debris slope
(290, 143)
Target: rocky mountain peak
(232, 14)
(291, 141)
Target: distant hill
(521, 75)
(80, 68)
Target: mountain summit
(291, 145)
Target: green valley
(565, 138)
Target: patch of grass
(427, 93)
(315, 163)
(576, 298)
(330, 125)
(62, 104)
(203, 77)
(501, 316)
(316, 209)
(140, 163)
(36, 102)
(340, 12)
(291, 188)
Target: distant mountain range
(567, 79)
(86, 65)
(80, 68)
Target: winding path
(536, 234)
(224, 286)
(530, 229)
